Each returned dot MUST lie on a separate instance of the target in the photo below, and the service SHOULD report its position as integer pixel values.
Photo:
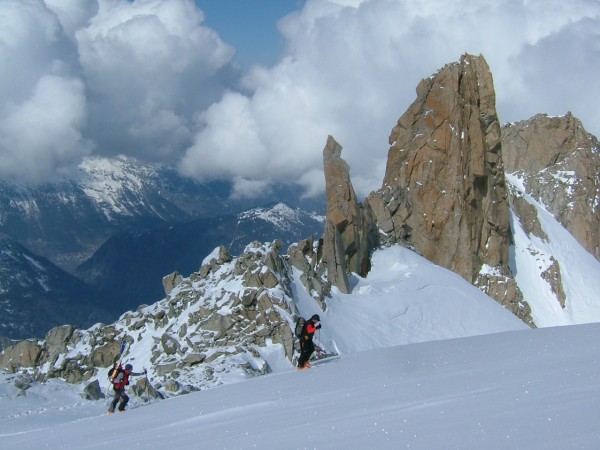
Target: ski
(124, 345)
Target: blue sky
(250, 26)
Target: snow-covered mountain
(553, 177)
(67, 221)
(552, 268)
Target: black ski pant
(306, 350)
(119, 395)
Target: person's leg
(124, 400)
(303, 357)
(114, 402)
(309, 351)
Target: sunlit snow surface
(524, 389)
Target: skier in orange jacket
(307, 347)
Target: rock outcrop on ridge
(558, 162)
(345, 243)
(444, 192)
(219, 317)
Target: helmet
(128, 367)
(315, 317)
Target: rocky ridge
(220, 316)
(558, 163)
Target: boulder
(144, 389)
(57, 338)
(23, 382)
(22, 354)
(93, 391)
(171, 281)
(169, 344)
(194, 358)
(248, 297)
(105, 355)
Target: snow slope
(523, 389)
(405, 299)
(580, 271)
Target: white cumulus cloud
(108, 76)
(351, 69)
(37, 145)
(150, 65)
(147, 78)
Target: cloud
(351, 69)
(560, 73)
(150, 66)
(119, 77)
(42, 100)
(37, 145)
(147, 78)
(243, 188)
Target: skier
(119, 383)
(306, 342)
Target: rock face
(345, 243)
(559, 163)
(446, 166)
(444, 193)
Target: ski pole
(147, 386)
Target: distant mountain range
(120, 226)
(67, 221)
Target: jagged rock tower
(444, 193)
(446, 175)
(345, 243)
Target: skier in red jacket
(119, 383)
(306, 341)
